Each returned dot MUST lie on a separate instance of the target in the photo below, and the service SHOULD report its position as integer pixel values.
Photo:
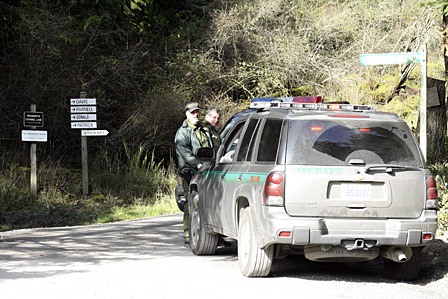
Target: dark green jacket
(188, 139)
(214, 134)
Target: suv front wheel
(200, 242)
(253, 261)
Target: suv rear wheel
(201, 242)
(253, 261)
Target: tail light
(274, 189)
(431, 193)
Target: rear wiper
(388, 167)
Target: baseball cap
(190, 107)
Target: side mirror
(206, 154)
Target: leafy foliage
(441, 172)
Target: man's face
(193, 116)
(212, 118)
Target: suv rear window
(267, 149)
(320, 142)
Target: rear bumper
(335, 231)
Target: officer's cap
(190, 107)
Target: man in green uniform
(211, 121)
(189, 137)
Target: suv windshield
(340, 142)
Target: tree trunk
(436, 122)
(437, 119)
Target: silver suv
(333, 181)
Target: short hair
(213, 110)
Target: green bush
(441, 171)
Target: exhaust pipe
(399, 254)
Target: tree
(438, 123)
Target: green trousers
(186, 220)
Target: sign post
(405, 58)
(33, 159)
(33, 119)
(83, 116)
(84, 152)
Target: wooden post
(85, 164)
(33, 161)
(423, 104)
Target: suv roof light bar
(328, 107)
(274, 101)
(307, 103)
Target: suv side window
(270, 137)
(251, 131)
(231, 144)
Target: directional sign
(84, 125)
(94, 132)
(83, 117)
(34, 135)
(33, 119)
(391, 58)
(82, 101)
(83, 109)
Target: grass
(138, 188)
(163, 207)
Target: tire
(406, 271)
(340, 254)
(200, 242)
(253, 261)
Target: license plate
(356, 191)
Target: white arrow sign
(83, 109)
(94, 132)
(82, 117)
(82, 101)
(84, 125)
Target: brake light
(364, 130)
(427, 236)
(431, 193)
(274, 189)
(285, 234)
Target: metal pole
(33, 161)
(423, 103)
(85, 164)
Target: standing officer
(189, 137)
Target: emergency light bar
(307, 103)
(329, 107)
(275, 101)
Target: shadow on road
(56, 250)
(75, 249)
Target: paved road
(146, 259)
